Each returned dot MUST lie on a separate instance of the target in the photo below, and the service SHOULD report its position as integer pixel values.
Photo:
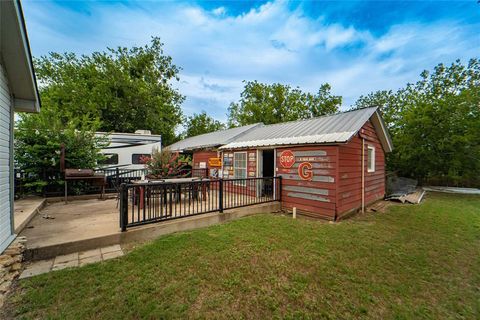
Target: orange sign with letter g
(305, 171)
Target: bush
(165, 164)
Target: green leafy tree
(388, 103)
(435, 124)
(324, 102)
(201, 123)
(126, 89)
(274, 103)
(38, 141)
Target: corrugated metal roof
(337, 128)
(212, 139)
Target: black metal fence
(144, 203)
(114, 178)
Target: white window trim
(240, 183)
(371, 165)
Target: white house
(18, 93)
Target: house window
(240, 167)
(137, 157)
(371, 159)
(110, 158)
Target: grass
(412, 262)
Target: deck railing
(144, 203)
(114, 178)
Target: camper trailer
(126, 149)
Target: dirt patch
(380, 206)
(9, 308)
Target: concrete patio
(78, 220)
(82, 225)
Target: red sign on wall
(287, 159)
(305, 171)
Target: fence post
(170, 204)
(123, 207)
(117, 176)
(220, 195)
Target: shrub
(165, 164)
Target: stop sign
(287, 159)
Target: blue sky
(356, 46)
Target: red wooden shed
(330, 166)
(204, 147)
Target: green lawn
(412, 262)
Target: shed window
(240, 166)
(137, 157)
(371, 159)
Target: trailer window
(240, 166)
(371, 159)
(110, 158)
(136, 157)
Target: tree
(324, 102)
(387, 101)
(201, 123)
(276, 103)
(435, 124)
(125, 89)
(38, 140)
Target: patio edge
(19, 228)
(148, 232)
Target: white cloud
(220, 11)
(271, 43)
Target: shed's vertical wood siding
(314, 198)
(6, 205)
(350, 172)
(203, 156)
(374, 181)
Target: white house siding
(6, 203)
